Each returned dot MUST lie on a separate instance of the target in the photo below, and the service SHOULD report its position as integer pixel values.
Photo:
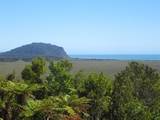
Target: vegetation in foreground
(60, 95)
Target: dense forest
(52, 92)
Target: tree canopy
(53, 92)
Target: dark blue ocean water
(118, 57)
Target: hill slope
(33, 50)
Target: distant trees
(52, 92)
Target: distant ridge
(32, 50)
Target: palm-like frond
(18, 88)
(55, 106)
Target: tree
(155, 110)
(34, 71)
(98, 89)
(11, 76)
(134, 87)
(60, 80)
(61, 100)
(15, 95)
(61, 95)
(135, 110)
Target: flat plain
(109, 67)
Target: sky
(82, 26)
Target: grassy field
(109, 67)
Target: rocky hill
(34, 50)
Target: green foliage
(34, 71)
(18, 88)
(133, 95)
(134, 110)
(11, 101)
(28, 74)
(11, 76)
(60, 79)
(39, 66)
(156, 110)
(134, 88)
(55, 107)
(33, 74)
(98, 89)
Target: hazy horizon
(82, 26)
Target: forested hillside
(28, 52)
(60, 95)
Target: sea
(117, 57)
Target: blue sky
(83, 26)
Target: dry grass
(106, 66)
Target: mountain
(33, 50)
